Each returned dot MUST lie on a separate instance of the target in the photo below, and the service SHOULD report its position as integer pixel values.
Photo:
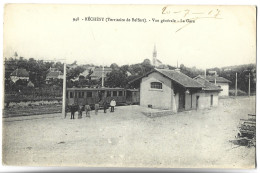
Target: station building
(172, 90)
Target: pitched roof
(54, 74)
(180, 78)
(30, 84)
(218, 79)
(20, 73)
(52, 69)
(208, 85)
(98, 72)
(176, 76)
(105, 69)
(86, 72)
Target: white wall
(225, 87)
(158, 98)
(163, 98)
(204, 100)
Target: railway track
(31, 110)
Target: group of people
(80, 109)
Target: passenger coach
(83, 96)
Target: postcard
(129, 86)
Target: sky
(220, 35)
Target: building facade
(208, 95)
(53, 75)
(221, 82)
(225, 87)
(19, 74)
(98, 72)
(173, 90)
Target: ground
(128, 138)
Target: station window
(67, 94)
(71, 94)
(156, 85)
(114, 93)
(120, 93)
(89, 94)
(76, 95)
(108, 93)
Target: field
(127, 138)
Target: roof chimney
(177, 69)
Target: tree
(146, 62)
(114, 66)
(191, 72)
(124, 68)
(74, 72)
(117, 78)
(242, 76)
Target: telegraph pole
(249, 86)
(63, 115)
(236, 86)
(102, 77)
(215, 77)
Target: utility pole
(236, 86)
(64, 93)
(103, 77)
(249, 86)
(215, 77)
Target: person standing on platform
(87, 109)
(105, 106)
(96, 108)
(73, 109)
(112, 104)
(80, 112)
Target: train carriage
(83, 96)
(132, 96)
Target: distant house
(53, 74)
(84, 74)
(73, 65)
(19, 74)
(30, 84)
(223, 83)
(173, 90)
(97, 73)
